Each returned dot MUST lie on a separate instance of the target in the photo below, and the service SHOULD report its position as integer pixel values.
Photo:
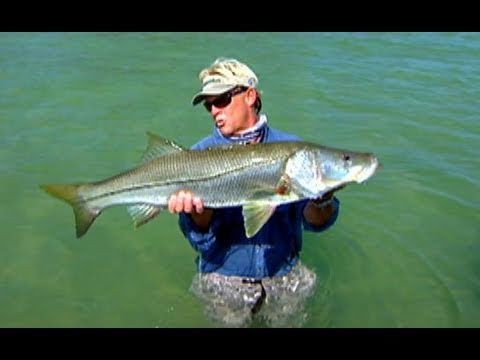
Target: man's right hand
(185, 201)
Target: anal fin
(143, 213)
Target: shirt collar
(254, 134)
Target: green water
(405, 251)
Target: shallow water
(75, 107)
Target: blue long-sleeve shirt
(274, 250)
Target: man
(238, 276)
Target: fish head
(337, 167)
(315, 170)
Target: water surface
(75, 107)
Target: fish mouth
(367, 171)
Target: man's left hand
(327, 196)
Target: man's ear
(251, 96)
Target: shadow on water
(433, 293)
(377, 281)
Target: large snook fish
(257, 177)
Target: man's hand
(318, 211)
(185, 201)
(328, 195)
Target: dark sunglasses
(223, 100)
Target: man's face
(231, 111)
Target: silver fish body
(258, 177)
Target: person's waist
(248, 272)
(242, 279)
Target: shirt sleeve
(309, 227)
(201, 241)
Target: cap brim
(217, 90)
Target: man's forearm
(202, 220)
(319, 216)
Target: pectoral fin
(255, 215)
(142, 213)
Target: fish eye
(346, 157)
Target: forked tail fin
(69, 193)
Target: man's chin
(222, 128)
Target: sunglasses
(224, 99)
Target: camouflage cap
(223, 75)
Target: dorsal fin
(159, 146)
